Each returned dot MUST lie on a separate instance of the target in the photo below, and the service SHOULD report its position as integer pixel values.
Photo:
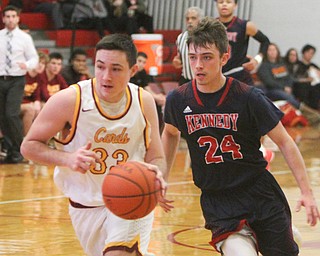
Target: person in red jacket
(31, 106)
(51, 81)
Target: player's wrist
(258, 59)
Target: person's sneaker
(15, 159)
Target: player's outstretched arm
(155, 155)
(296, 163)
(170, 140)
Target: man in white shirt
(17, 55)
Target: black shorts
(262, 206)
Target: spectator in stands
(142, 79)
(88, 14)
(307, 89)
(77, 70)
(118, 20)
(54, 10)
(275, 77)
(291, 59)
(278, 82)
(239, 32)
(31, 105)
(17, 55)
(137, 10)
(51, 81)
(193, 15)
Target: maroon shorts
(262, 206)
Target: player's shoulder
(180, 90)
(240, 21)
(238, 85)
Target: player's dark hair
(308, 47)
(142, 54)
(236, 1)
(76, 52)
(10, 8)
(287, 56)
(209, 31)
(55, 55)
(121, 42)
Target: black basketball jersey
(238, 41)
(223, 131)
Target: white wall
(288, 23)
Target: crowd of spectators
(125, 16)
(289, 78)
(292, 79)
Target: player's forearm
(296, 164)
(160, 162)
(170, 146)
(41, 153)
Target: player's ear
(133, 70)
(225, 56)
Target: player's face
(308, 55)
(293, 56)
(112, 74)
(10, 19)
(54, 66)
(79, 63)
(272, 53)
(226, 8)
(192, 20)
(141, 62)
(206, 64)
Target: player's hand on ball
(164, 203)
(83, 158)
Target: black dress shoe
(13, 159)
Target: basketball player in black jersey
(239, 32)
(222, 120)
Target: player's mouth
(107, 87)
(200, 75)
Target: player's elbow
(26, 149)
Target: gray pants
(11, 94)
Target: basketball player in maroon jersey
(222, 120)
(239, 32)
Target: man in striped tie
(17, 55)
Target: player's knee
(239, 245)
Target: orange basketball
(131, 190)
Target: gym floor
(34, 219)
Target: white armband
(258, 58)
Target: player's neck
(213, 87)
(226, 19)
(50, 75)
